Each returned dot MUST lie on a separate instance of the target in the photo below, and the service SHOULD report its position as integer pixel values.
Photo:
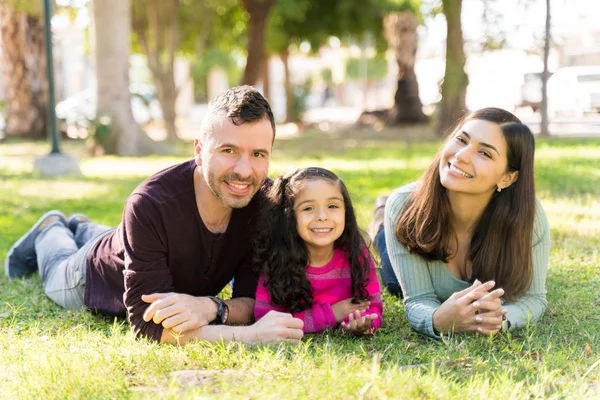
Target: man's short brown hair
(241, 104)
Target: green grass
(46, 352)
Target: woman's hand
(489, 312)
(474, 309)
(345, 307)
(357, 323)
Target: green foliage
(293, 22)
(376, 68)
(213, 57)
(299, 99)
(47, 352)
(29, 7)
(327, 76)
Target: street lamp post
(55, 163)
(52, 129)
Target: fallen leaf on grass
(588, 350)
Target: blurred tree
(315, 22)
(167, 29)
(454, 86)
(258, 11)
(23, 65)
(155, 23)
(112, 22)
(401, 33)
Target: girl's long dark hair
(282, 255)
(500, 248)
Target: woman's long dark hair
(500, 248)
(282, 255)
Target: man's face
(235, 160)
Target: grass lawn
(46, 352)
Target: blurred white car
(76, 112)
(573, 91)
(531, 90)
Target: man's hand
(461, 312)
(275, 327)
(342, 308)
(179, 312)
(357, 323)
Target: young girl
(313, 259)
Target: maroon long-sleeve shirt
(162, 245)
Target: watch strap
(220, 306)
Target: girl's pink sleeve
(316, 319)
(376, 306)
(263, 302)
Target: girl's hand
(458, 313)
(357, 323)
(345, 307)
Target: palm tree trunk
(23, 64)
(454, 87)
(401, 34)
(112, 20)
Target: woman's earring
(499, 190)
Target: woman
(469, 243)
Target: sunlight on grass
(61, 190)
(47, 352)
(337, 164)
(131, 167)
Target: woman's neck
(467, 209)
(319, 257)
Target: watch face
(225, 313)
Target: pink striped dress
(330, 283)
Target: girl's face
(475, 161)
(320, 213)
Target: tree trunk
(266, 78)
(157, 30)
(454, 87)
(544, 131)
(259, 12)
(112, 19)
(290, 113)
(401, 34)
(23, 64)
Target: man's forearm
(211, 333)
(241, 311)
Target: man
(186, 232)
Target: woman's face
(474, 160)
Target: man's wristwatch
(222, 311)
(505, 324)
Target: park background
(365, 88)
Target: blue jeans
(62, 261)
(388, 276)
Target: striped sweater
(330, 283)
(427, 284)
